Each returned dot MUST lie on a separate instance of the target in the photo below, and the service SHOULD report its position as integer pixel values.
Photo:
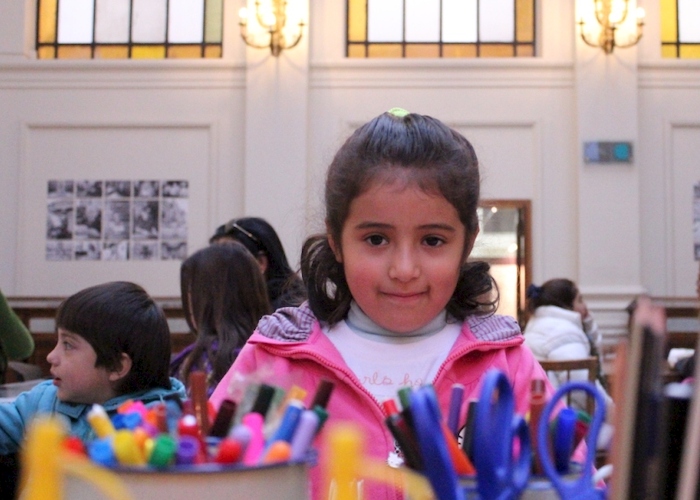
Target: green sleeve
(16, 341)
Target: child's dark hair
(560, 292)
(415, 149)
(120, 317)
(259, 237)
(224, 293)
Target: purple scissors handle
(581, 488)
(498, 474)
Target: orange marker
(279, 451)
(462, 465)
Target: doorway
(505, 243)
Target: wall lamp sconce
(611, 14)
(271, 16)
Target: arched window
(441, 28)
(680, 29)
(129, 29)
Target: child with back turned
(223, 296)
(392, 300)
(113, 345)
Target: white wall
(254, 135)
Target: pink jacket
(290, 346)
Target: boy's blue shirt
(41, 399)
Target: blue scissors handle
(581, 488)
(495, 430)
(439, 468)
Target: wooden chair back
(563, 371)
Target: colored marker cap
(163, 452)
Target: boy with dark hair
(113, 346)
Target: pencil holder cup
(284, 481)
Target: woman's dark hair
(284, 286)
(120, 317)
(223, 297)
(560, 292)
(413, 149)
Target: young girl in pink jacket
(392, 300)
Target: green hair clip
(398, 112)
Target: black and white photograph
(115, 250)
(87, 250)
(88, 219)
(60, 189)
(88, 189)
(146, 189)
(145, 220)
(117, 189)
(175, 189)
(144, 250)
(59, 250)
(59, 223)
(173, 219)
(173, 250)
(116, 220)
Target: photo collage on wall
(116, 220)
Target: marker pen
(163, 452)
(224, 417)
(100, 422)
(187, 450)
(229, 451)
(126, 450)
(323, 394)
(101, 452)
(304, 434)
(285, 431)
(455, 408)
(254, 421)
(198, 395)
(278, 451)
(537, 404)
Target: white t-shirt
(385, 362)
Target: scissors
(438, 466)
(499, 475)
(581, 488)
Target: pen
(224, 417)
(406, 441)
(254, 422)
(537, 404)
(228, 452)
(304, 434)
(126, 450)
(290, 419)
(323, 394)
(468, 436)
(278, 451)
(163, 452)
(100, 422)
(263, 400)
(198, 394)
(563, 442)
(456, 396)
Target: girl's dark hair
(223, 297)
(413, 149)
(559, 292)
(284, 286)
(120, 317)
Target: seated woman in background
(16, 343)
(223, 297)
(284, 286)
(561, 328)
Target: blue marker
(455, 407)
(101, 452)
(564, 431)
(290, 419)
